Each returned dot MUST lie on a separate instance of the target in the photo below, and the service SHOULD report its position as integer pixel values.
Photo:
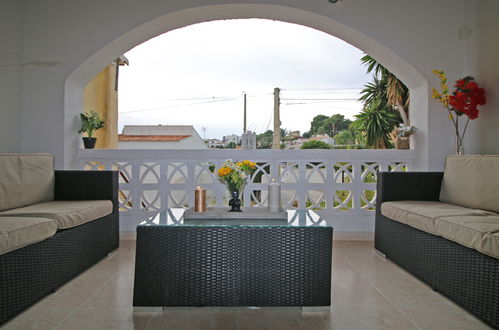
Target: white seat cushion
(26, 179)
(421, 214)
(490, 244)
(67, 214)
(476, 232)
(18, 232)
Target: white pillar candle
(274, 196)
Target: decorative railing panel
(327, 181)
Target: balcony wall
(10, 74)
(340, 185)
(80, 38)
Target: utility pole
(276, 141)
(244, 125)
(248, 139)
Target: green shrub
(315, 144)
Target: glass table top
(296, 218)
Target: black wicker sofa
(34, 270)
(467, 272)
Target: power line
(335, 107)
(268, 124)
(311, 103)
(211, 99)
(177, 106)
(322, 89)
(259, 95)
(306, 99)
(199, 98)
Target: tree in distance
(344, 137)
(330, 126)
(315, 144)
(264, 140)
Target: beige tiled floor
(368, 292)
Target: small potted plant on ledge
(90, 122)
(402, 136)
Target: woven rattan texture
(30, 273)
(232, 266)
(467, 277)
(87, 185)
(403, 186)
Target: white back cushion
(472, 181)
(26, 179)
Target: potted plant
(90, 122)
(402, 136)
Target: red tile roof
(149, 138)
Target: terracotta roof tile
(154, 138)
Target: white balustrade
(334, 183)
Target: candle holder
(199, 199)
(274, 197)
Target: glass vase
(235, 196)
(459, 148)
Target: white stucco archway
(74, 84)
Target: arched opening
(207, 76)
(405, 71)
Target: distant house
(296, 144)
(160, 137)
(324, 138)
(233, 138)
(215, 143)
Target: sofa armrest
(87, 185)
(398, 186)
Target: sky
(197, 75)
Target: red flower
(460, 84)
(467, 97)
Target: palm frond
(376, 123)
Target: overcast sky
(197, 75)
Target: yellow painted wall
(100, 96)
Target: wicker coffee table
(224, 264)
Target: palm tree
(375, 91)
(375, 122)
(396, 93)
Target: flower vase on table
(459, 148)
(234, 176)
(235, 191)
(235, 201)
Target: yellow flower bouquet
(235, 174)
